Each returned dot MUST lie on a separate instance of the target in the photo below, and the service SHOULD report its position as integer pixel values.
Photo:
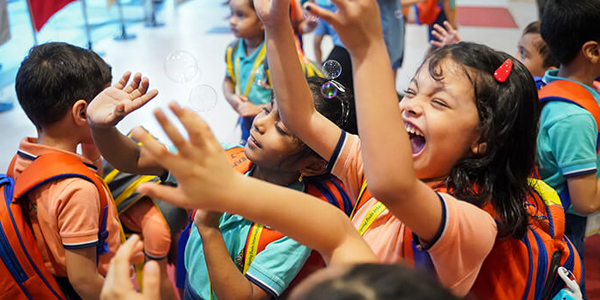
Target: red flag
(42, 10)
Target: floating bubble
(329, 90)
(261, 79)
(332, 69)
(203, 98)
(181, 66)
(399, 14)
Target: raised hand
(445, 36)
(357, 22)
(272, 12)
(115, 102)
(117, 284)
(201, 167)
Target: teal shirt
(566, 141)
(257, 95)
(272, 269)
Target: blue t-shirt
(392, 24)
(258, 94)
(566, 141)
(272, 269)
(325, 28)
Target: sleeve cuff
(579, 169)
(336, 152)
(263, 285)
(441, 229)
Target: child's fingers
(141, 89)
(165, 193)
(151, 281)
(157, 150)
(439, 29)
(436, 44)
(448, 26)
(121, 262)
(123, 81)
(437, 35)
(134, 83)
(178, 140)
(197, 129)
(140, 101)
(322, 13)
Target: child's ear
(591, 51)
(79, 112)
(313, 166)
(479, 148)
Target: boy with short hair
(568, 136)
(54, 86)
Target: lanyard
(373, 213)
(257, 62)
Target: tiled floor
(194, 26)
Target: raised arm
(207, 181)
(292, 93)
(110, 107)
(379, 118)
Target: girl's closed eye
(439, 103)
(410, 92)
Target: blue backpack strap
(184, 236)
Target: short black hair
(53, 76)
(380, 282)
(542, 47)
(568, 24)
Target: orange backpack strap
(55, 166)
(568, 91)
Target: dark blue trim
(25, 155)
(61, 176)
(542, 269)
(586, 172)
(31, 262)
(440, 230)
(181, 273)
(264, 287)
(10, 259)
(525, 240)
(81, 246)
(326, 193)
(336, 151)
(345, 198)
(565, 199)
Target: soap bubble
(261, 79)
(399, 14)
(332, 69)
(203, 98)
(329, 90)
(181, 66)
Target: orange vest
(24, 275)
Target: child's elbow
(586, 208)
(389, 190)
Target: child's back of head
(54, 76)
(568, 24)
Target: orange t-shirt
(65, 213)
(465, 238)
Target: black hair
(568, 24)
(542, 47)
(340, 110)
(54, 76)
(378, 282)
(508, 121)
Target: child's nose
(411, 107)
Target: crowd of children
(487, 159)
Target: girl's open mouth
(417, 140)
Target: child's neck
(250, 44)
(57, 137)
(277, 177)
(579, 70)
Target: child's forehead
(442, 72)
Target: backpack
(24, 275)
(568, 91)
(515, 269)
(427, 11)
(326, 187)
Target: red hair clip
(503, 71)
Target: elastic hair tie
(501, 74)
